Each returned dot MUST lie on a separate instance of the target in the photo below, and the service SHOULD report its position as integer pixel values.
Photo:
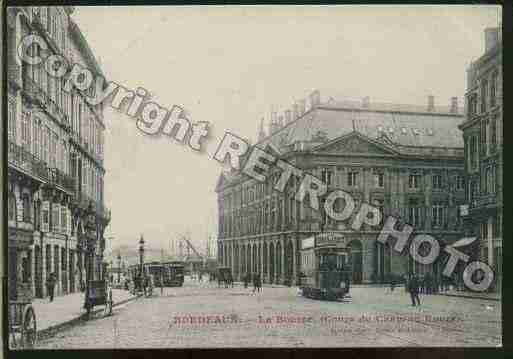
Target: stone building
(483, 133)
(56, 212)
(407, 160)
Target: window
(493, 90)
(63, 258)
(48, 260)
(55, 217)
(64, 219)
(484, 86)
(25, 200)
(45, 144)
(12, 208)
(493, 134)
(489, 183)
(484, 138)
(460, 182)
(52, 149)
(326, 175)
(37, 134)
(414, 181)
(25, 132)
(473, 152)
(414, 212)
(352, 179)
(37, 215)
(437, 214)
(56, 261)
(496, 227)
(472, 104)
(379, 180)
(11, 125)
(437, 181)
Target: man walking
(413, 287)
(50, 285)
(256, 282)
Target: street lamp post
(141, 253)
(90, 227)
(119, 267)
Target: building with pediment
(56, 214)
(407, 160)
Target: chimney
(491, 37)
(280, 121)
(302, 107)
(431, 103)
(288, 116)
(261, 132)
(274, 123)
(315, 98)
(295, 111)
(366, 102)
(454, 105)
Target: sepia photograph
(232, 176)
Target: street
(203, 315)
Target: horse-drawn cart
(22, 324)
(98, 293)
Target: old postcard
(254, 176)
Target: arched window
(12, 207)
(26, 207)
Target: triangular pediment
(355, 143)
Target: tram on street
(326, 272)
(167, 274)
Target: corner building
(483, 136)
(56, 213)
(407, 160)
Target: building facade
(483, 134)
(407, 160)
(56, 212)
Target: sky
(232, 65)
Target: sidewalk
(473, 295)
(68, 308)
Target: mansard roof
(403, 125)
(404, 130)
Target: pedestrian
(50, 285)
(246, 280)
(256, 284)
(413, 287)
(392, 283)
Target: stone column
(33, 271)
(261, 250)
(43, 269)
(294, 261)
(282, 261)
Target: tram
(325, 267)
(170, 273)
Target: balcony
(36, 94)
(27, 162)
(484, 201)
(59, 178)
(83, 201)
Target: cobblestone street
(203, 315)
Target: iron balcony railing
(23, 159)
(36, 93)
(482, 201)
(59, 178)
(84, 200)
